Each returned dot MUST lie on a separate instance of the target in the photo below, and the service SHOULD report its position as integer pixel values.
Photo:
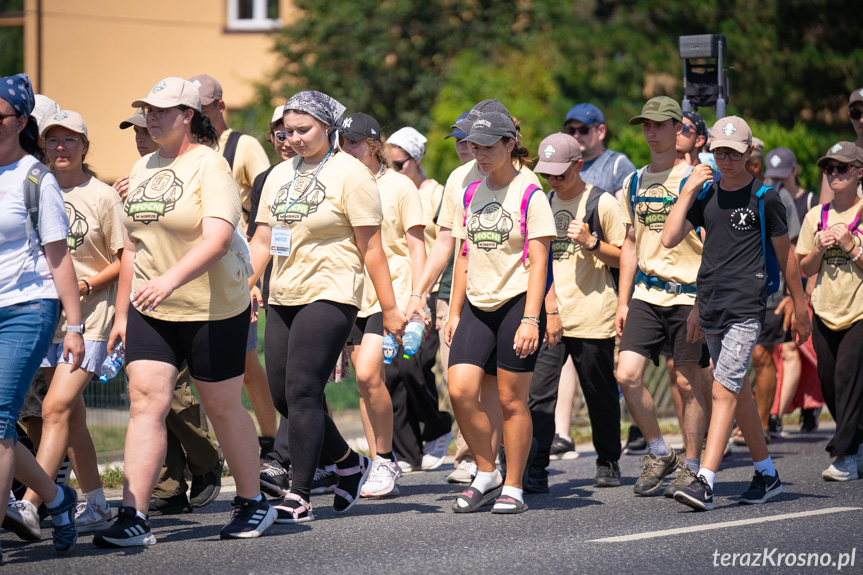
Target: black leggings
(298, 369)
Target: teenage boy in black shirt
(731, 295)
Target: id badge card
(280, 244)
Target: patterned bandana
(17, 91)
(410, 141)
(318, 105)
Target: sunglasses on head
(583, 130)
(281, 137)
(398, 165)
(834, 169)
(855, 113)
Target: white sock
(708, 476)
(513, 492)
(484, 481)
(765, 467)
(658, 447)
(57, 500)
(140, 515)
(96, 498)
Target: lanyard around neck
(312, 181)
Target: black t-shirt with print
(731, 279)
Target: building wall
(100, 55)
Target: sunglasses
(686, 129)
(835, 169)
(855, 113)
(551, 178)
(281, 137)
(733, 156)
(398, 165)
(583, 130)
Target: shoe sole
(391, 493)
(208, 500)
(265, 523)
(653, 489)
(359, 487)
(136, 541)
(840, 478)
(689, 501)
(768, 495)
(604, 485)
(170, 511)
(21, 529)
(507, 511)
(291, 521)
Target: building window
(253, 15)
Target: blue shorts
(95, 353)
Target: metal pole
(720, 101)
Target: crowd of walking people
(712, 256)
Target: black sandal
(475, 499)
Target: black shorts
(648, 327)
(214, 350)
(35, 396)
(373, 324)
(772, 332)
(484, 338)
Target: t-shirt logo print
(489, 228)
(286, 209)
(154, 197)
(78, 227)
(743, 219)
(653, 214)
(836, 256)
(562, 247)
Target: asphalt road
(573, 529)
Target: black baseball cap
(360, 126)
(491, 127)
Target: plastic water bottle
(391, 348)
(112, 364)
(413, 336)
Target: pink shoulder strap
(825, 209)
(468, 197)
(525, 200)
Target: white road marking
(723, 525)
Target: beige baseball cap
(66, 118)
(209, 88)
(557, 152)
(278, 114)
(844, 152)
(137, 119)
(731, 132)
(170, 93)
(856, 96)
(45, 107)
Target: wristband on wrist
(530, 321)
(595, 245)
(417, 295)
(89, 287)
(555, 312)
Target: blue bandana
(17, 91)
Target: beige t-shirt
(838, 294)
(679, 264)
(402, 210)
(431, 194)
(96, 234)
(324, 262)
(249, 161)
(495, 271)
(582, 283)
(167, 203)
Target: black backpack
(591, 216)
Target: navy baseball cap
(457, 132)
(586, 114)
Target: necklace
(381, 172)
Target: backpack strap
(591, 212)
(231, 147)
(32, 191)
(825, 210)
(525, 201)
(468, 196)
(633, 187)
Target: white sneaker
(435, 451)
(843, 468)
(22, 519)
(382, 478)
(406, 467)
(91, 518)
(464, 473)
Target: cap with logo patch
(779, 163)
(484, 107)
(856, 96)
(586, 113)
(66, 118)
(208, 87)
(557, 152)
(170, 93)
(658, 109)
(844, 152)
(360, 126)
(457, 131)
(137, 119)
(731, 132)
(491, 127)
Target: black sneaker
(536, 484)
(683, 479)
(275, 479)
(654, 471)
(128, 530)
(562, 448)
(173, 505)
(607, 474)
(635, 443)
(762, 488)
(206, 487)
(324, 481)
(774, 426)
(697, 495)
(249, 519)
(809, 419)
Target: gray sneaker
(91, 517)
(654, 471)
(683, 479)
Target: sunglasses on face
(398, 165)
(734, 156)
(551, 178)
(686, 129)
(836, 169)
(583, 130)
(855, 113)
(281, 137)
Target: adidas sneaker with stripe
(128, 530)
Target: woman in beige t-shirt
(95, 242)
(183, 295)
(831, 245)
(320, 215)
(499, 328)
(402, 236)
